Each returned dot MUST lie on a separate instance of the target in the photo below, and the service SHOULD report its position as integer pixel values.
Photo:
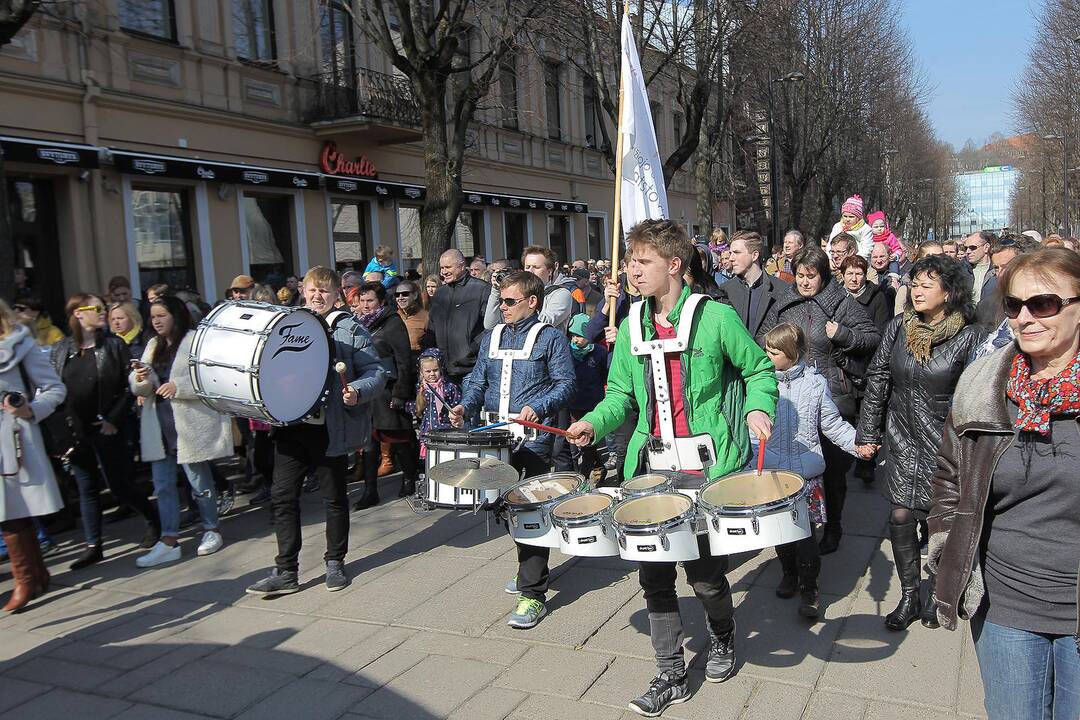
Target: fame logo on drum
(291, 342)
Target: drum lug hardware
(565, 536)
(513, 518)
(754, 523)
(622, 540)
(664, 542)
(795, 514)
(715, 523)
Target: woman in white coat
(177, 429)
(30, 391)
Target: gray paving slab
(384, 668)
(834, 706)
(241, 625)
(308, 699)
(492, 703)
(211, 688)
(63, 673)
(19, 646)
(498, 652)
(893, 711)
(257, 658)
(145, 675)
(16, 692)
(153, 712)
(866, 511)
(432, 688)
(555, 671)
(971, 686)
(772, 700)
(61, 704)
(539, 707)
(352, 665)
(468, 607)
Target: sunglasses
(510, 302)
(1040, 306)
(972, 247)
(407, 293)
(90, 308)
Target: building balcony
(380, 106)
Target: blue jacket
(591, 377)
(545, 382)
(349, 428)
(804, 413)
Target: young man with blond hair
(719, 389)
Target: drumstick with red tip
(760, 455)
(538, 426)
(340, 368)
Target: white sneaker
(159, 555)
(211, 543)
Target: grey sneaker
(527, 613)
(278, 582)
(511, 586)
(336, 579)
(721, 662)
(664, 691)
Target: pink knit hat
(853, 205)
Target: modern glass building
(983, 200)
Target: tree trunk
(442, 176)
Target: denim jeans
(201, 479)
(1027, 675)
(109, 459)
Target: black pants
(532, 560)
(837, 464)
(106, 456)
(706, 575)
(802, 557)
(296, 448)
(263, 455)
(618, 440)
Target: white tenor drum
(445, 445)
(529, 505)
(648, 484)
(584, 524)
(656, 528)
(745, 511)
(261, 361)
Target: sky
(971, 52)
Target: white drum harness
(508, 356)
(669, 452)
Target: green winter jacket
(725, 376)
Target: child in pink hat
(879, 225)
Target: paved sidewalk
(421, 633)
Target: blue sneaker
(511, 586)
(527, 613)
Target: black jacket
(456, 322)
(989, 312)
(877, 304)
(113, 360)
(905, 405)
(843, 359)
(736, 293)
(391, 340)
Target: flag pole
(616, 219)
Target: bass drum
(261, 361)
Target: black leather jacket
(456, 322)
(113, 359)
(905, 405)
(392, 344)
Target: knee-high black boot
(929, 608)
(370, 467)
(905, 547)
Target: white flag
(643, 194)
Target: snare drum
(529, 505)
(656, 528)
(446, 445)
(584, 524)
(745, 511)
(648, 484)
(261, 361)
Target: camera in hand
(498, 276)
(14, 398)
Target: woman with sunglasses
(411, 310)
(94, 368)
(1005, 522)
(909, 385)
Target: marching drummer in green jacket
(702, 385)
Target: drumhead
(748, 490)
(544, 488)
(582, 506)
(463, 438)
(644, 483)
(294, 365)
(652, 509)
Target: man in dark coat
(456, 317)
(751, 292)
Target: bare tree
(432, 45)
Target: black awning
(380, 188)
(149, 165)
(33, 150)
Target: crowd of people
(946, 373)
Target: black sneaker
(664, 691)
(789, 585)
(721, 662)
(260, 498)
(90, 555)
(279, 582)
(808, 603)
(336, 579)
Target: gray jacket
(349, 428)
(556, 310)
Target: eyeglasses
(510, 302)
(1040, 306)
(972, 247)
(90, 308)
(406, 293)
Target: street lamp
(774, 185)
(1064, 138)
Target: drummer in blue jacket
(523, 369)
(324, 441)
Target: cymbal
(484, 473)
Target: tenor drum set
(656, 516)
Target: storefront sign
(178, 167)
(15, 149)
(333, 162)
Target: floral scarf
(922, 336)
(368, 319)
(1038, 400)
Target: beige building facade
(188, 141)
